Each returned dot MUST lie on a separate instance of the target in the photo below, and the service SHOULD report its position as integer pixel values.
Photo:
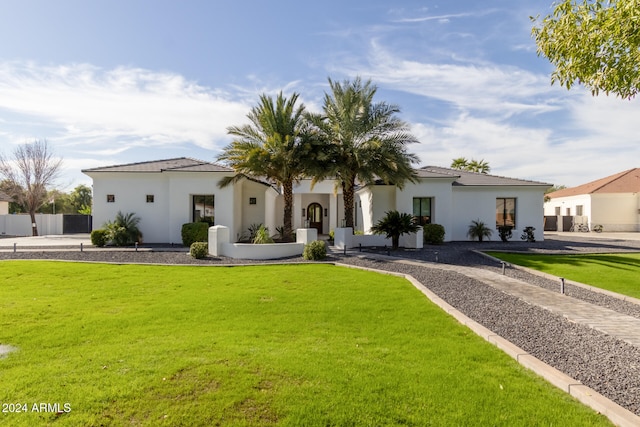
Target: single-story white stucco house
(166, 194)
(612, 202)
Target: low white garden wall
(344, 237)
(220, 245)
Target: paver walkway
(610, 322)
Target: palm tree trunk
(347, 197)
(287, 189)
(395, 241)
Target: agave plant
(394, 224)
(478, 230)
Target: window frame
(505, 213)
(419, 215)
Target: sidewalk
(610, 322)
(46, 241)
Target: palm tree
(479, 230)
(478, 166)
(394, 224)
(363, 141)
(460, 163)
(272, 147)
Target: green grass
(615, 272)
(287, 345)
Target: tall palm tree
(478, 166)
(460, 163)
(273, 146)
(363, 141)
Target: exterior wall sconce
(303, 212)
(326, 212)
(252, 201)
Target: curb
(615, 413)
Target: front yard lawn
(312, 345)
(615, 272)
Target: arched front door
(314, 216)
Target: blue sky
(109, 81)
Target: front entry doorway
(314, 216)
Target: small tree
(478, 230)
(594, 43)
(28, 174)
(395, 224)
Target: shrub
(195, 232)
(433, 234)
(199, 250)
(124, 229)
(394, 224)
(315, 251)
(208, 219)
(505, 232)
(528, 235)
(99, 237)
(262, 236)
(478, 230)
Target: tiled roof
(624, 182)
(465, 178)
(180, 164)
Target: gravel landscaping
(607, 365)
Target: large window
(202, 206)
(506, 211)
(422, 210)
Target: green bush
(99, 237)
(528, 234)
(315, 251)
(195, 232)
(433, 234)
(124, 229)
(505, 232)
(199, 250)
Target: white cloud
(487, 89)
(92, 107)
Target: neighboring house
(612, 202)
(4, 203)
(168, 193)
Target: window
(579, 210)
(557, 210)
(422, 210)
(150, 198)
(506, 211)
(111, 198)
(253, 201)
(202, 208)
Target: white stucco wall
(161, 221)
(4, 208)
(440, 191)
(479, 203)
(568, 205)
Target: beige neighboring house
(4, 203)
(612, 202)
